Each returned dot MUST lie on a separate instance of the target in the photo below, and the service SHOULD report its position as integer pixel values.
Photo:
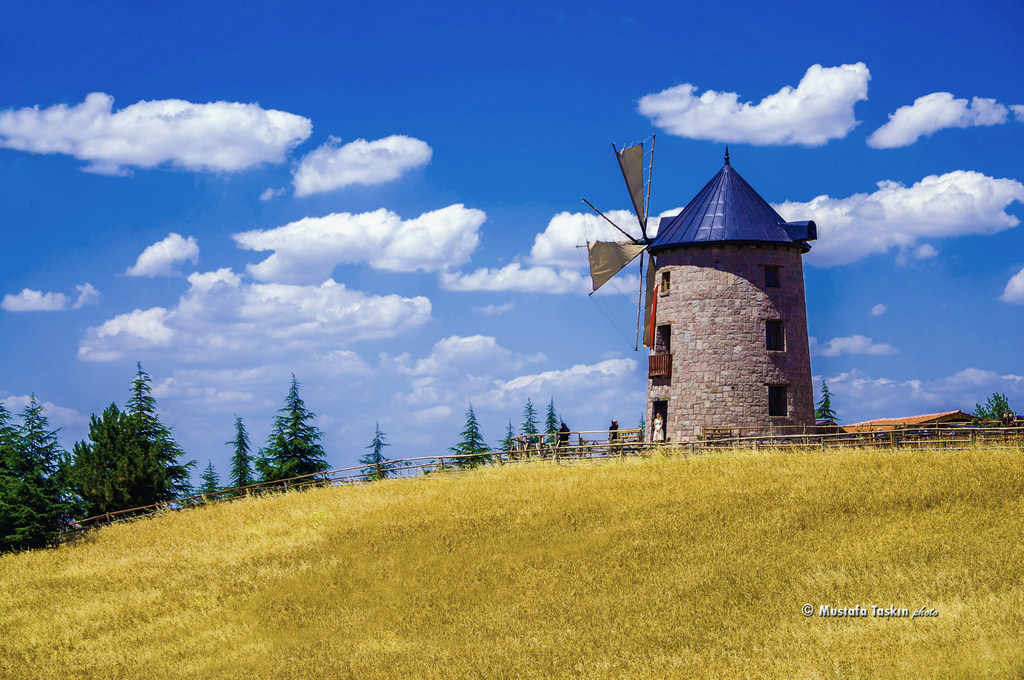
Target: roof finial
(727, 154)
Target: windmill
(608, 258)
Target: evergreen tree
(472, 443)
(292, 449)
(210, 480)
(642, 425)
(378, 467)
(119, 468)
(130, 460)
(551, 422)
(506, 443)
(529, 426)
(995, 408)
(241, 461)
(142, 406)
(823, 410)
(34, 497)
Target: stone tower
(730, 349)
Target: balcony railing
(660, 366)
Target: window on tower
(775, 335)
(771, 276)
(663, 339)
(777, 405)
(665, 283)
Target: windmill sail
(608, 258)
(631, 162)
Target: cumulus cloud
(331, 166)
(309, 249)
(611, 372)
(59, 416)
(519, 279)
(159, 259)
(818, 109)
(557, 262)
(957, 203)
(853, 344)
(1014, 291)
(222, 316)
(34, 301)
(859, 397)
(87, 295)
(934, 112)
(464, 355)
(1018, 112)
(879, 309)
(217, 136)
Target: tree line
(129, 460)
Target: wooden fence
(594, 444)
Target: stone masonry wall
(717, 305)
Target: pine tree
(472, 443)
(35, 501)
(241, 461)
(642, 426)
(506, 443)
(142, 406)
(210, 480)
(823, 411)
(378, 467)
(551, 422)
(131, 459)
(529, 426)
(292, 449)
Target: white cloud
(1014, 291)
(516, 278)
(611, 372)
(270, 193)
(58, 416)
(1018, 111)
(818, 109)
(34, 301)
(954, 204)
(934, 112)
(359, 162)
(217, 136)
(879, 309)
(87, 295)
(494, 310)
(309, 249)
(159, 259)
(866, 398)
(221, 316)
(853, 344)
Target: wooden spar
(647, 204)
(609, 221)
(639, 304)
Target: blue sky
(385, 201)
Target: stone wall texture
(717, 305)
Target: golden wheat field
(635, 568)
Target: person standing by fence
(563, 435)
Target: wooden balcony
(660, 366)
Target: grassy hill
(653, 568)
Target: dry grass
(652, 568)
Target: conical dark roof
(728, 209)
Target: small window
(663, 340)
(771, 277)
(665, 283)
(775, 336)
(777, 405)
